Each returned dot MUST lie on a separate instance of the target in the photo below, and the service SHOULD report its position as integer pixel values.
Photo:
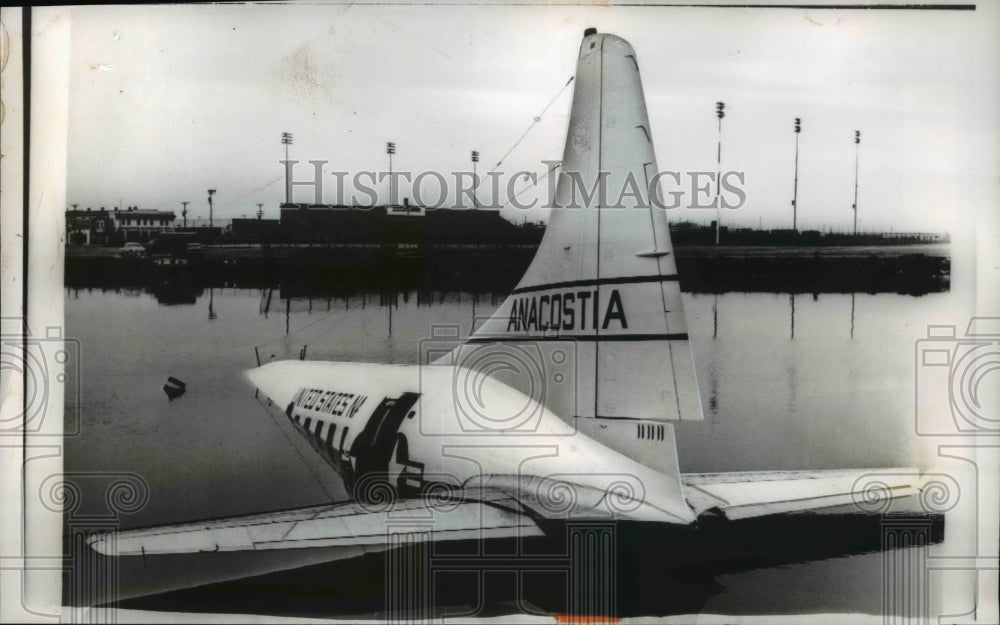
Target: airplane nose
(275, 380)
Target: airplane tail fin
(600, 305)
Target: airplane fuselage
(404, 428)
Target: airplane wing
(753, 494)
(496, 513)
(490, 515)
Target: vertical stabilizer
(600, 305)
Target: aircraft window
(306, 425)
(319, 428)
(343, 438)
(329, 435)
(297, 417)
(411, 413)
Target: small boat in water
(174, 388)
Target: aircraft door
(372, 449)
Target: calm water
(787, 382)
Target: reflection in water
(347, 305)
(211, 301)
(176, 292)
(715, 316)
(791, 299)
(321, 272)
(852, 315)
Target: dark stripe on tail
(583, 337)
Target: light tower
(184, 213)
(260, 211)
(720, 112)
(286, 140)
(211, 192)
(475, 179)
(390, 149)
(795, 187)
(857, 153)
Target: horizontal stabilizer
(753, 494)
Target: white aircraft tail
(599, 308)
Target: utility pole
(720, 108)
(475, 179)
(184, 213)
(260, 211)
(211, 192)
(857, 153)
(390, 149)
(795, 188)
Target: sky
(169, 101)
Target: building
(205, 222)
(400, 225)
(245, 230)
(135, 224)
(88, 227)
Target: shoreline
(320, 270)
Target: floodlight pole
(390, 149)
(211, 192)
(286, 140)
(857, 154)
(184, 213)
(720, 108)
(475, 179)
(795, 187)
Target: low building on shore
(100, 226)
(141, 225)
(88, 227)
(404, 224)
(245, 230)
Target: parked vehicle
(172, 243)
(132, 250)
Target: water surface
(787, 382)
